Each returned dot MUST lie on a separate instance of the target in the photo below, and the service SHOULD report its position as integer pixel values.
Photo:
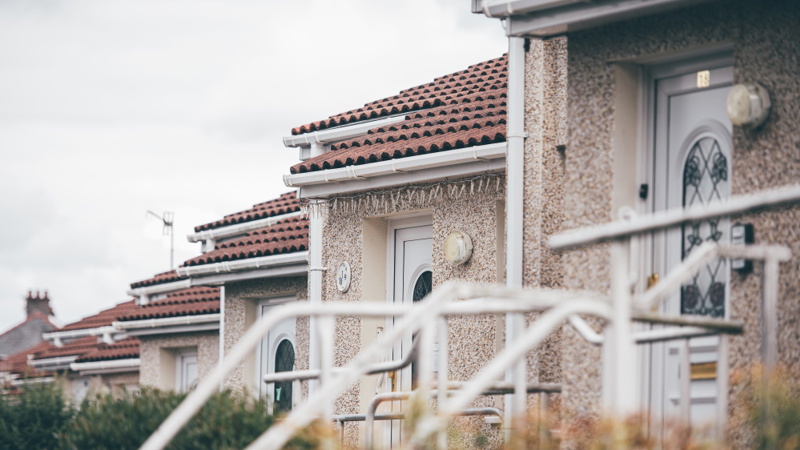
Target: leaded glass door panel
(691, 168)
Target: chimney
(38, 302)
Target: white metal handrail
(415, 316)
(758, 201)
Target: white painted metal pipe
(515, 194)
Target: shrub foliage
(41, 418)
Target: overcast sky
(109, 108)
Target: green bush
(40, 417)
(227, 421)
(34, 417)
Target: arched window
(284, 362)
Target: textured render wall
(237, 297)
(151, 367)
(766, 47)
(545, 124)
(472, 209)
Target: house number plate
(343, 277)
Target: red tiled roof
(284, 204)
(464, 109)
(78, 347)
(481, 77)
(186, 302)
(286, 236)
(164, 277)
(18, 362)
(103, 318)
(124, 349)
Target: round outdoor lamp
(748, 105)
(457, 247)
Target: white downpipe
(394, 166)
(129, 363)
(515, 173)
(315, 270)
(166, 322)
(221, 353)
(240, 228)
(244, 264)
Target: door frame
(265, 389)
(393, 428)
(652, 355)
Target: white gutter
(515, 178)
(166, 321)
(144, 293)
(244, 264)
(220, 279)
(57, 336)
(377, 169)
(116, 365)
(240, 228)
(505, 8)
(57, 362)
(341, 133)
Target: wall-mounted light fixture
(457, 247)
(748, 105)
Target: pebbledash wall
(158, 356)
(765, 42)
(356, 231)
(241, 299)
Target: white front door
(277, 354)
(691, 166)
(411, 281)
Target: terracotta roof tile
(464, 109)
(124, 349)
(284, 204)
(18, 362)
(103, 318)
(478, 77)
(77, 347)
(286, 236)
(164, 277)
(186, 302)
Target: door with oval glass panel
(277, 354)
(691, 168)
(411, 281)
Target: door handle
(652, 280)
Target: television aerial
(168, 219)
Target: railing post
(620, 356)
(326, 337)
(442, 375)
